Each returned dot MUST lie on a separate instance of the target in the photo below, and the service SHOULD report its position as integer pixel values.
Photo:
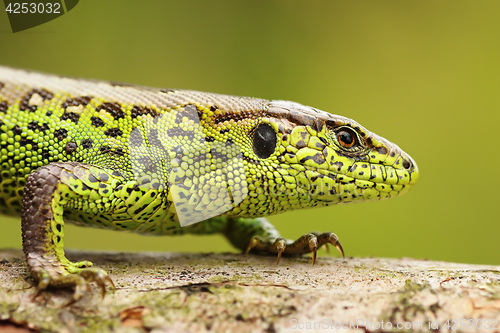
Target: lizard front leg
(258, 235)
(47, 191)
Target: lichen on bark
(173, 292)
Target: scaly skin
(139, 159)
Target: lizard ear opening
(264, 140)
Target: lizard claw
(334, 240)
(280, 245)
(253, 243)
(313, 246)
(99, 276)
(277, 245)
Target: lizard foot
(308, 243)
(78, 275)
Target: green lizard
(149, 160)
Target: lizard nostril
(406, 164)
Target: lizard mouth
(362, 180)
(336, 178)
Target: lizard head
(297, 156)
(337, 160)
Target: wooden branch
(230, 292)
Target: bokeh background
(424, 74)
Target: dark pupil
(346, 138)
(264, 141)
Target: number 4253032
(471, 324)
(33, 8)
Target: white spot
(35, 99)
(75, 109)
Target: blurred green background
(424, 74)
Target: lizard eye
(347, 138)
(264, 141)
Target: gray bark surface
(178, 292)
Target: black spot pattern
(225, 117)
(74, 117)
(118, 152)
(83, 100)
(114, 109)
(105, 149)
(251, 160)
(317, 158)
(97, 122)
(60, 134)
(35, 126)
(17, 130)
(87, 143)
(45, 154)
(103, 177)
(382, 150)
(140, 111)
(24, 141)
(301, 144)
(113, 132)
(4, 106)
(338, 164)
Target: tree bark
(171, 292)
